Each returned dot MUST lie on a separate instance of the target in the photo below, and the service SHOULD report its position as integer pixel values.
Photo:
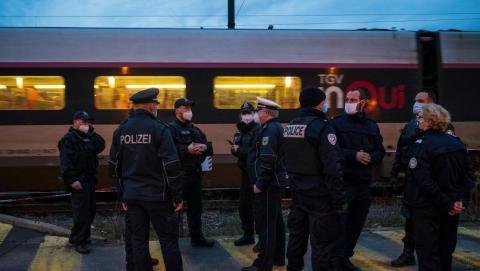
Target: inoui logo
(378, 95)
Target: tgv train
(46, 74)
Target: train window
(113, 92)
(231, 91)
(32, 92)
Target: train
(46, 74)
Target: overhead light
(19, 82)
(288, 81)
(245, 86)
(3, 87)
(49, 86)
(111, 82)
(95, 86)
(177, 86)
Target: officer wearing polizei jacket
(78, 164)
(112, 162)
(270, 181)
(148, 168)
(439, 189)
(410, 133)
(193, 148)
(316, 184)
(244, 149)
(361, 145)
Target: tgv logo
(378, 95)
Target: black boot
(347, 265)
(245, 240)
(82, 249)
(154, 261)
(405, 259)
(202, 242)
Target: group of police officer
(327, 164)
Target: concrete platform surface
(24, 249)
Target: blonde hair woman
(439, 189)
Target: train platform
(24, 249)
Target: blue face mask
(325, 107)
(417, 108)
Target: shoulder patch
(332, 138)
(450, 132)
(265, 140)
(412, 163)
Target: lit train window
(113, 92)
(32, 92)
(230, 92)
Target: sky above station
(250, 14)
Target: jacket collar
(311, 112)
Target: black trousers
(351, 224)
(409, 238)
(245, 208)
(165, 222)
(268, 215)
(128, 245)
(84, 208)
(435, 238)
(311, 216)
(192, 194)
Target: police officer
(78, 164)
(112, 162)
(148, 168)
(244, 149)
(410, 133)
(439, 189)
(316, 184)
(270, 182)
(361, 145)
(192, 147)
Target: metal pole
(231, 14)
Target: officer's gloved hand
(91, 130)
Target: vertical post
(231, 14)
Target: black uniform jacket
(410, 133)
(146, 160)
(440, 170)
(184, 133)
(245, 139)
(356, 133)
(320, 136)
(269, 164)
(78, 155)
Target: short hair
(432, 96)
(362, 91)
(436, 116)
(272, 113)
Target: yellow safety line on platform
(156, 252)
(459, 255)
(4, 230)
(243, 255)
(368, 259)
(55, 254)
(474, 233)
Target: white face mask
(84, 128)
(256, 118)
(187, 115)
(247, 118)
(351, 108)
(417, 108)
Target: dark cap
(311, 97)
(82, 115)
(184, 101)
(247, 107)
(145, 96)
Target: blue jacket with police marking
(320, 138)
(269, 163)
(358, 133)
(440, 172)
(146, 159)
